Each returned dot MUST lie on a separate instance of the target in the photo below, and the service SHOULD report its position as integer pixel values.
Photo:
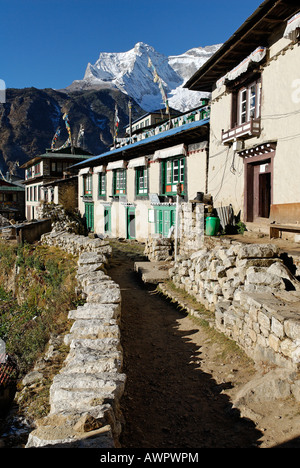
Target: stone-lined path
(169, 401)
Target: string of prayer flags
(66, 119)
(117, 121)
(57, 133)
(158, 80)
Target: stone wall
(191, 235)
(85, 395)
(158, 249)
(254, 296)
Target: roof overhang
(255, 31)
(188, 134)
(54, 155)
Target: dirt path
(170, 400)
(182, 378)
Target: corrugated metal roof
(160, 136)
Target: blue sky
(48, 43)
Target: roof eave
(201, 81)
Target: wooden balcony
(242, 132)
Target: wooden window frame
(119, 182)
(141, 181)
(245, 97)
(88, 185)
(37, 169)
(174, 170)
(237, 110)
(101, 184)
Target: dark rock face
(30, 118)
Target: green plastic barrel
(212, 225)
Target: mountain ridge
(129, 72)
(30, 116)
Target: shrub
(44, 293)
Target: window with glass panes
(101, 184)
(141, 181)
(119, 182)
(174, 173)
(87, 185)
(248, 103)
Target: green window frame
(141, 181)
(101, 184)
(88, 185)
(173, 174)
(119, 182)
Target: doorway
(258, 188)
(131, 222)
(107, 219)
(89, 216)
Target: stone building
(12, 198)
(43, 171)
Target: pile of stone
(85, 395)
(4, 221)
(158, 249)
(76, 244)
(224, 271)
(62, 220)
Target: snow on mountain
(130, 73)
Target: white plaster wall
(280, 121)
(196, 173)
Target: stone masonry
(85, 395)
(254, 297)
(191, 235)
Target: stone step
(94, 329)
(97, 277)
(84, 356)
(89, 268)
(62, 400)
(98, 366)
(96, 311)
(104, 284)
(90, 258)
(83, 381)
(104, 295)
(84, 391)
(102, 438)
(101, 345)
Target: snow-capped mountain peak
(130, 72)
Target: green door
(166, 222)
(89, 216)
(131, 222)
(164, 219)
(107, 219)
